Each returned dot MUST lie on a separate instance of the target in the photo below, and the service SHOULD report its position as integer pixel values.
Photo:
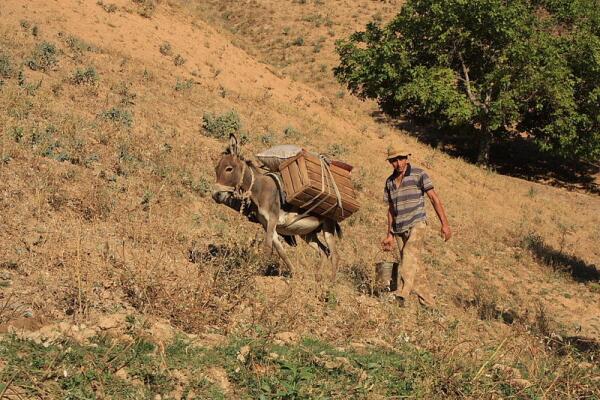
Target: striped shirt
(407, 201)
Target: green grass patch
(253, 368)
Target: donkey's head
(229, 171)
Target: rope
(236, 190)
(326, 177)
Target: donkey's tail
(338, 230)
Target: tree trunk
(485, 142)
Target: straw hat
(397, 151)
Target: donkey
(242, 186)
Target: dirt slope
(104, 191)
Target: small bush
(165, 49)
(291, 133)
(6, 69)
(79, 46)
(44, 57)
(220, 127)
(268, 139)
(179, 60)
(109, 7)
(336, 150)
(127, 95)
(87, 76)
(185, 84)
(118, 115)
(299, 41)
(146, 7)
(16, 132)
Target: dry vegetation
(105, 176)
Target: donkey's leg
(270, 223)
(329, 235)
(313, 241)
(280, 250)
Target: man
(404, 192)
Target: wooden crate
(302, 179)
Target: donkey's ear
(233, 145)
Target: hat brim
(392, 156)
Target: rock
(244, 351)
(522, 383)
(218, 376)
(161, 331)
(286, 337)
(211, 339)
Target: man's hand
(446, 233)
(387, 244)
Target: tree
(493, 67)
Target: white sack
(273, 157)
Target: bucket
(385, 273)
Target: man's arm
(441, 213)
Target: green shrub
(268, 139)
(44, 57)
(299, 41)
(221, 126)
(87, 76)
(118, 115)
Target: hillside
(107, 220)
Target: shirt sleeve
(425, 182)
(386, 194)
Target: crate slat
(302, 178)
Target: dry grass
(104, 198)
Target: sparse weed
(360, 179)
(221, 126)
(118, 115)
(108, 7)
(44, 57)
(299, 41)
(79, 46)
(16, 132)
(87, 76)
(183, 84)
(146, 8)
(361, 276)
(127, 95)
(146, 198)
(179, 60)
(202, 186)
(336, 150)
(267, 139)
(6, 68)
(289, 132)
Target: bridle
(237, 190)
